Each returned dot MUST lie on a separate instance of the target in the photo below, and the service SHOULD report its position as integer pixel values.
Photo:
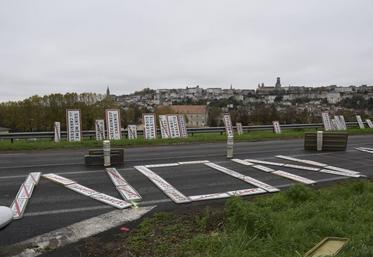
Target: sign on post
(343, 122)
(163, 123)
(173, 124)
(228, 124)
(113, 124)
(150, 131)
(182, 126)
(369, 122)
(276, 127)
(57, 131)
(132, 131)
(326, 121)
(360, 121)
(74, 126)
(239, 128)
(100, 130)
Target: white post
(319, 140)
(106, 149)
(230, 147)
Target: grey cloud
(58, 46)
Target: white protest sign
(113, 124)
(132, 131)
(57, 131)
(182, 126)
(369, 122)
(74, 126)
(334, 124)
(239, 128)
(228, 124)
(326, 121)
(150, 131)
(173, 124)
(276, 127)
(360, 122)
(163, 124)
(100, 130)
(338, 123)
(343, 122)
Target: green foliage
(286, 224)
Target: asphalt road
(52, 206)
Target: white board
(107, 199)
(162, 184)
(243, 162)
(300, 167)
(294, 177)
(326, 121)
(240, 176)
(195, 198)
(263, 168)
(265, 162)
(182, 125)
(369, 122)
(239, 128)
(249, 191)
(57, 131)
(193, 162)
(122, 186)
(74, 126)
(161, 165)
(173, 125)
(163, 124)
(100, 130)
(228, 124)
(334, 172)
(58, 179)
(18, 207)
(132, 132)
(81, 189)
(276, 127)
(360, 122)
(150, 131)
(343, 122)
(114, 129)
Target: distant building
(196, 115)
(278, 83)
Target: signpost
(360, 121)
(276, 127)
(369, 122)
(57, 131)
(182, 126)
(163, 123)
(239, 128)
(228, 124)
(100, 130)
(74, 126)
(150, 131)
(326, 121)
(173, 125)
(113, 124)
(132, 131)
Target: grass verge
(286, 224)
(6, 145)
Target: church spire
(107, 91)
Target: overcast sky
(51, 46)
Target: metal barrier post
(106, 148)
(230, 147)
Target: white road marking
(249, 191)
(246, 163)
(162, 184)
(265, 162)
(162, 165)
(75, 232)
(193, 162)
(263, 168)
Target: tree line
(38, 113)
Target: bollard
(106, 148)
(230, 147)
(319, 140)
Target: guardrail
(91, 133)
